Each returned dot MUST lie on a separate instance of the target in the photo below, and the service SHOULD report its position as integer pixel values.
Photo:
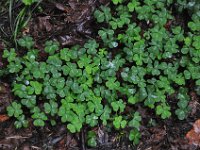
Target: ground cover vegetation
(139, 58)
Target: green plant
(119, 123)
(38, 116)
(103, 14)
(133, 5)
(118, 105)
(184, 99)
(150, 53)
(134, 136)
(20, 18)
(135, 122)
(26, 42)
(140, 60)
(117, 1)
(91, 139)
(14, 110)
(29, 2)
(163, 110)
(107, 37)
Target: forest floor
(73, 24)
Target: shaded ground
(71, 22)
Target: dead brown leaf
(194, 134)
(3, 118)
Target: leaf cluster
(140, 60)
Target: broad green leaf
(37, 87)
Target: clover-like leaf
(133, 5)
(65, 54)
(10, 55)
(92, 120)
(51, 47)
(71, 128)
(105, 115)
(21, 122)
(134, 136)
(51, 107)
(39, 122)
(119, 122)
(26, 41)
(135, 122)
(37, 87)
(117, 1)
(54, 60)
(112, 84)
(91, 47)
(163, 110)
(118, 105)
(91, 139)
(104, 14)
(14, 110)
